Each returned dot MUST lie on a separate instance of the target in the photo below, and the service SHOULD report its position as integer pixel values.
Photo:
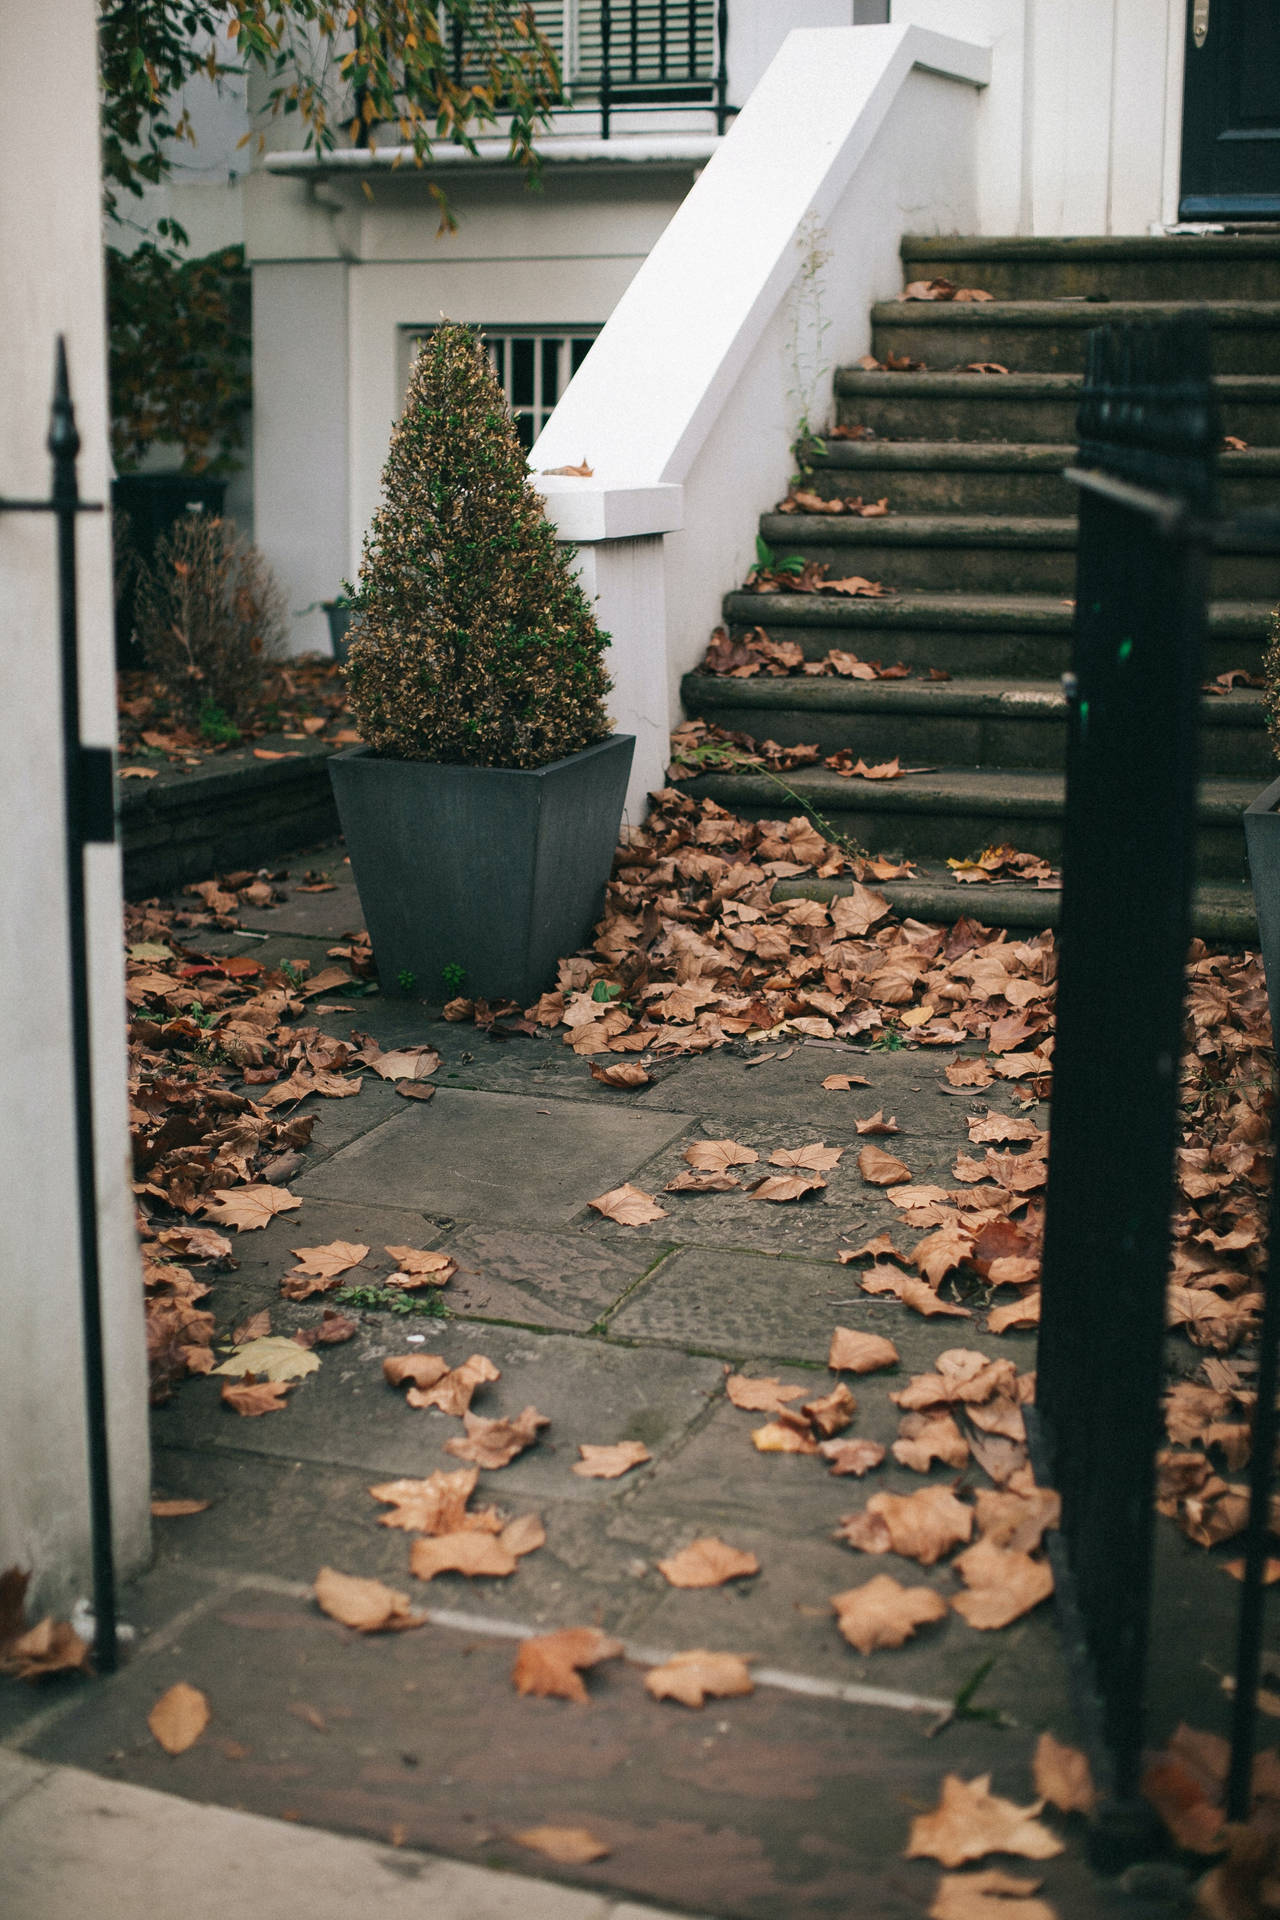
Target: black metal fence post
(1149, 434)
(89, 816)
(723, 109)
(606, 75)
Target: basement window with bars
(659, 50)
(533, 368)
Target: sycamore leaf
(831, 1413)
(454, 1390)
(786, 1186)
(249, 1208)
(707, 1563)
(880, 1169)
(851, 1456)
(552, 1664)
(437, 1504)
(494, 1443)
(366, 1605)
(853, 1352)
(717, 1156)
(568, 1846)
(628, 1206)
(692, 1182)
(919, 1526)
(32, 1653)
(970, 1072)
(251, 1399)
(876, 1123)
(406, 1063)
(884, 1614)
(256, 1327)
(611, 1462)
(328, 1261)
(179, 1717)
(273, 1358)
(419, 1268)
(420, 1369)
(844, 1082)
(818, 1158)
(470, 1552)
(690, 1677)
(1018, 1314)
(1062, 1777)
(971, 1821)
(988, 1894)
(1003, 1584)
(782, 1436)
(624, 1073)
(926, 1437)
(759, 1396)
(177, 1509)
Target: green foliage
(179, 353)
(210, 619)
(453, 974)
(768, 562)
(215, 727)
(406, 979)
(355, 68)
(392, 1300)
(1271, 681)
(475, 642)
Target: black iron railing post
(606, 73)
(722, 66)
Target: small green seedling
(890, 1041)
(215, 726)
(453, 974)
(406, 979)
(392, 1300)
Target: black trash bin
(152, 502)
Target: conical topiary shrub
(475, 644)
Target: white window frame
(565, 337)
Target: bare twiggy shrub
(474, 641)
(210, 618)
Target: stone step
(1017, 635)
(982, 476)
(1221, 910)
(960, 722)
(957, 811)
(977, 553)
(1165, 267)
(1018, 407)
(1049, 336)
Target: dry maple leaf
(406, 1063)
(272, 1358)
(1061, 1776)
(989, 1894)
(691, 1677)
(568, 1846)
(844, 1082)
(851, 1456)
(437, 1504)
(624, 1073)
(707, 1563)
(884, 1614)
(611, 1462)
(264, 1396)
(628, 1206)
(790, 1434)
(1003, 1584)
(880, 1169)
(553, 1663)
(716, 1156)
(256, 1327)
(831, 1413)
(876, 1123)
(854, 1352)
(970, 1822)
(759, 1396)
(470, 1552)
(1178, 1793)
(366, 1605)
(454, 1390)
(925, 1437)
(248, 1208)
(786, 1186)
(920, 1526)
(417, 1267)
(32, 1653)
(494, 1443)
(420, 1369)
(328, 1261)
(691, 1182)
(177, 1509)
(179, 1717)
(818, 1158)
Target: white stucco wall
(50, 238)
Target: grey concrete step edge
(1219, 912)
(995, 793)
(980, 612)
(986, 699)
(1205, 246)
(943, 530)
(1021, 386)
(995, 456)
(1070, 311)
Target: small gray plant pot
(1262, 842)
(498, 870)
(340, 614)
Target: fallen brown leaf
(1061, 1776)
(436, 1505)
(926, 1437)
(844, 1082)
(971, 1821)
(989, 1894)
(421, 1267)
(880, 1169)
(177, 1509)
(551, 1664)
(832, 1413)
(471, 1552)
(1003, 1584)
(568, 1846)
(628, 1206)
(366, 1605)
(494, 1443)
(691, 1677)
(179, 1717)
(420, 1369)
(790, 1434)
(249, 1208)
(786, 1186)
(876, 1123)
(707, 1563)
(611, 1462)
(759, 1396)
(624, 1073)
(328, 1261)
(256, 1327)
(817, 1157)
(853, 1352)
(691, 1182)
(454, 1390)
(263, 1396)
(851, 1456)
(406, 1063)
(919, 1526)
(717, 1156)
(884, 1614)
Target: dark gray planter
(1262, 841)
(340, 636)
(497, 870)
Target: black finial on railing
(64, 436)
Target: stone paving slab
(495, 1158)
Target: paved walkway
(791, 1804)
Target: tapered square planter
(1262, 843)
(497, 870)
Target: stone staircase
(979, 545)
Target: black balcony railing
(621, 54)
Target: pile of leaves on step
(306, 699)
(221, 1057)
(796, 575)
(700, 746)
(756, 653)
(803, 500)
(942, 289)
